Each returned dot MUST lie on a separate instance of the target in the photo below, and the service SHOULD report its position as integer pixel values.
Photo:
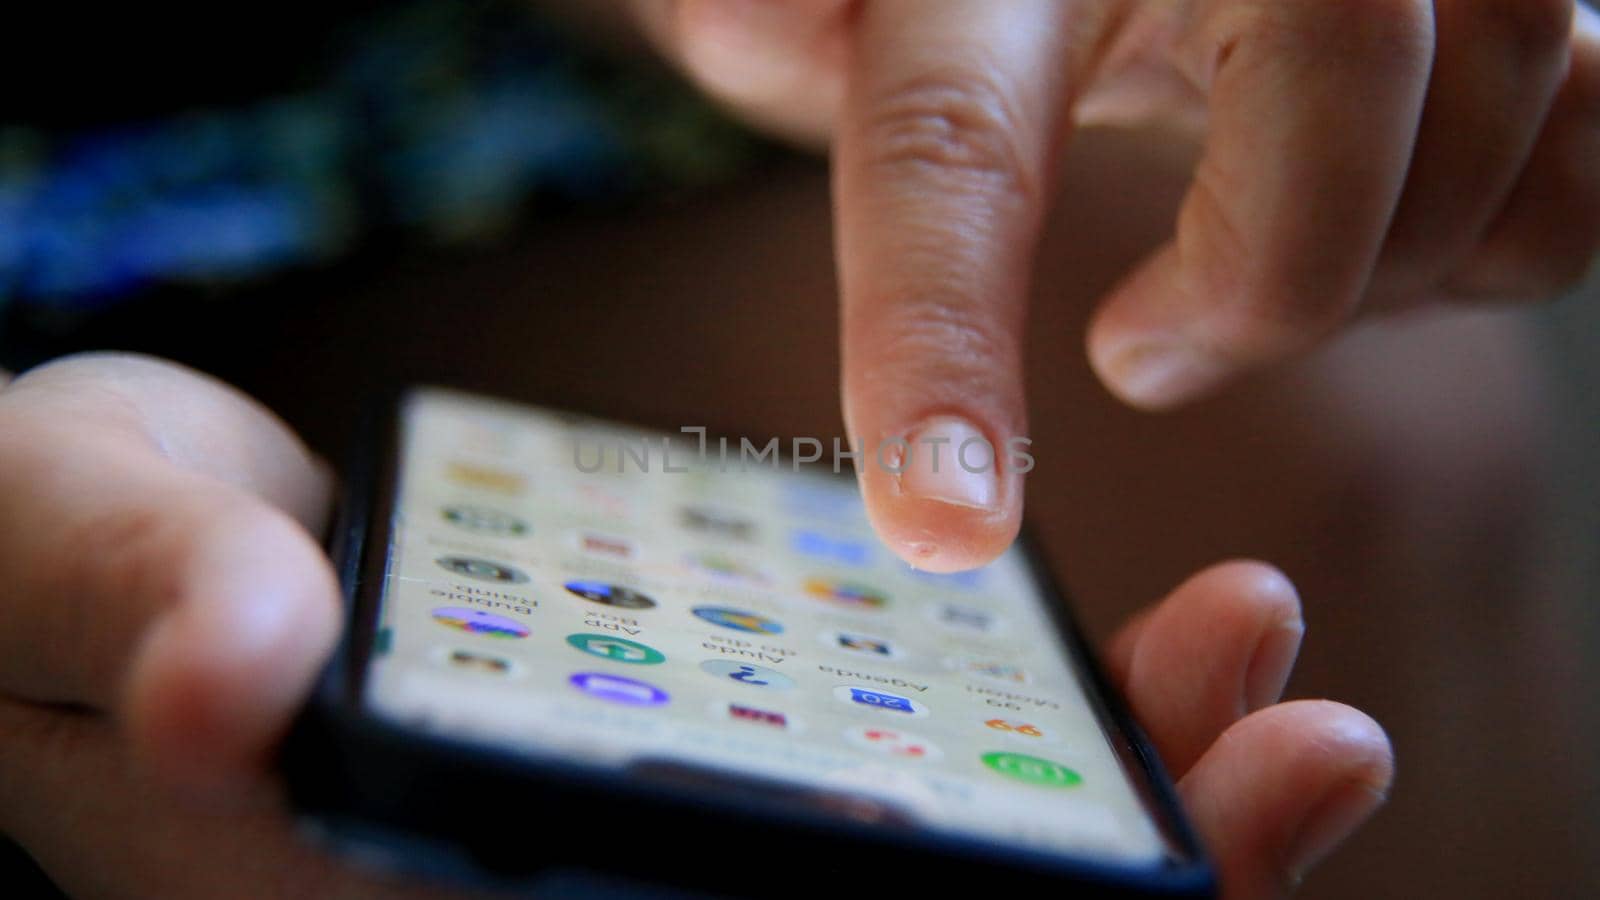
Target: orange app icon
(486, 477)
(1019, 729)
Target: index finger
(943, 164)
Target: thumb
(155, 559)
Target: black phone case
(407, 800)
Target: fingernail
(950, 460)
(1325, 828)
(1159, 372)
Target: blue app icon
(822, 546)
(880, 700)
(876, 699)
(747, 674)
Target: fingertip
(1221, 645)
(1140, 345)
(1258, 599)
(778, 63)
(1154, 373)
(1343, 811)
(1322, 741)
(1285, 786)
(941, 538)
(1241, 596)
(1361, 762)
(944, 498)
(219, 676)
(1251, 581)
(1354, 739)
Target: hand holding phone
(85, 737)
(548, 614)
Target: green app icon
(616, 649)
(1032, 769)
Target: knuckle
(1566, 268)
(1557, 252)
(1571, 253)
(1528, 267)
(1264, 308)
(1397, 35)
(957, 123)
(1535, 27)
(940, 339)
(1284, 317)
(1580, 95)
(1381, 25)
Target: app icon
(745, 673)
(864, 644)
(1032, 769)
(833, 549)
(890, 742)
(595, 543)
(473, 661)
(482, 569)
(718, 521)
(738, 620)
(883, 700)
(994, 669)
(476, 621)
(485, 477)
(609, 594)
(616, 689)
(616, 649)
(486, 521)
(739, 712)
(1020, 729)
(957, 617)
(849, 594)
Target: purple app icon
(616, 689)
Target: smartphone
(580, 653)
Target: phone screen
(566, 589)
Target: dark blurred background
(317, 203)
